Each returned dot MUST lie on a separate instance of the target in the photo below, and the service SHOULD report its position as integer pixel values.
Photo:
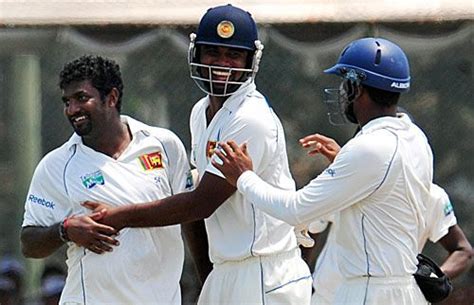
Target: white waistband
(385, 280)
(296, 252)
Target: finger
(244, 148)
(103, 247)
(221, 156)
(227, 150)
(235, 148)
(216, 165)
(98, 215)
(90, 205)
(308, 138)
(94, 249)
(105, 229)
(316, 149)
(323, 139)
(309, 143)
(108, 240)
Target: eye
(210, 52)
(65, 102)
(236, 54)
(82, 98)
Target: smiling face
(85, 109)
(224, 67)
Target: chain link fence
(159, 91)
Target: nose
(223, 60)
(71, 108)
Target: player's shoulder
(163, 134)
(371, 148)
(200, 105)
(439, 198)
(255, 109)
(57, 158)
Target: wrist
(63, 226)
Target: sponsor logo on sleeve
(448, 208)
(151, 161)
(210, 148)
(93, 179)
(41, 201)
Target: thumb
(244, 149)
(98, 215)
(90, 205)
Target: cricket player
(379, 183)
(442, 228)
(110, 158)
(255, 256)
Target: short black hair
(103, 73)
(382, 97)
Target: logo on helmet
(400, 85)
(225, 29)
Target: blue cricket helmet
(378, 62)
(227, 26)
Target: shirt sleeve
(47, 202)
(355, 174)
(443, 214)
(261, 135)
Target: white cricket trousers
(279, 279)
(380, 290)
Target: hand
(235, 160)
(87, 233)
(319, 144)
(107, 213)
(302, 236)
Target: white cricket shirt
(380, 183)
(439, 218)
(237, 230)
(146, 267)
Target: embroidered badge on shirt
(448, 208)
(210, 148)
(189, 180)
(93, 179)
(151, 161)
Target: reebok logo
(48, 204)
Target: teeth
(220, 73)
(80, 118)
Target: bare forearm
(181, 208)
(169, 211)
(457, 262)
(197, 243)
(39, 242)
(460, 252)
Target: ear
(112, 97)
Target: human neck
(377, 111)
(112, 141)
(215, 103)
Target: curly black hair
(103, 73)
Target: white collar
(400, 122)
(134, 126)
